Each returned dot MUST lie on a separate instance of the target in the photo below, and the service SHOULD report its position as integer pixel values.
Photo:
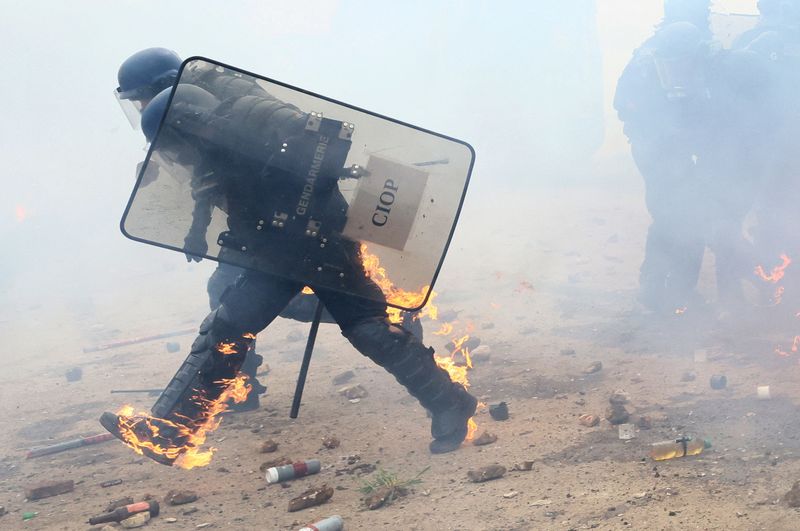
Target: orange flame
(395, 295)
(795, 347)
(445, 330)
(307, 291)
(190, 454)
(777, 272)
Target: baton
(301, 378)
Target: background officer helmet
(695, 11)
(142, 76)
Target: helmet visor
(131, 108)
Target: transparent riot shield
(259, 174)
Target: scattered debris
(719, 381)
(311, 498)
(688, 376)
(280, 461)
(484, 439)
(486, 473)
(793, 496)
(524, 466)
(74, 374)
(127, 512)
(481, 354)
(268, 446)
(541, 503)
(644, 422)
(353, 391)
(343, 377)
(137, 520)
(47, 490)
(762, 391)
(331, 523)
(509, 495)
(626, 432)
(173, 347)
(136, 340)
(588, 420)
(111, 483)
(180, 497)
(295, 470)
(619, 397)
(68, 445)
(499, 411)
(203, 525)
(595, 366)
(330, 442)
(122, 502)
(170, 520)
(386, 486)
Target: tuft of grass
(390, 484)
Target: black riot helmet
(696, 12)
(678, 51)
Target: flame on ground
(190, 454)
(793, 350)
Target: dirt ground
(549, 288)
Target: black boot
(188, 401)
(412, 364)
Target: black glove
(195, 246)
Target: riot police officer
(661, 97)
(230, 172)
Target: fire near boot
(252, 362)
(193, 396)
(412, 364)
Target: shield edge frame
(331, 100)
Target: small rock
(190, 510)
(310, 498)
(170, 520)
(223, 470)
(268, 446)
(588, 420)
(499, 411)
(295, 335)
(524, 466)
(330, 442)
(108, 527)
(378, 499)
(203, 525)
(352, 392)
(343, 377)
(792, 498)
(137, 520)
(644, 422)
(111, 483)
(688, 376)
(481, 354)
(180, 497)
(541, 503)
(617, 415)
(173, 347)
(486, 473)
(74, 374)
(619, 398)
(47, 490)
(719, 381)
(595, 366)
(2, 510)
(567, 352)
(485, 438)
(280, 461)
(122, 502)
(509, 495)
